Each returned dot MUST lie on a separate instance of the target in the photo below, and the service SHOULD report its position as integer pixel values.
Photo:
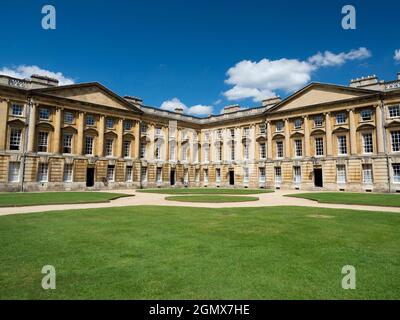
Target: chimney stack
(44, 80)
(179, 110)
(231, 108)
(271, 101)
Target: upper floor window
(15, 139)
(127, 125)
(158, 131)
(17, 110)
(109, 147)
(110, 123)
(127, 148)
(219, 133)
(367, 143)
(67, 143)
(279, 149)
(318, 121)
(298, 123)
(342, 145)
(298, 148)
(279, 126)
(263, 149)
(319, 146)
(89, 145)
(219, 152)
(395, 141)
(44, 114)
(340, 118)
(207, 136)
(143, 128)
(232, 131)
(42, 141)
(68, 117)
(366, 115)
(233, 152)
(142, 150)
(262, 128)
(246, 131)
(157, 152)
(246, 150)
(394, 111)
(172, 151)
(90, 120)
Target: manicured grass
(204, 191)
(371, 199)
(17, 199)
(199, 253)
(211, 198)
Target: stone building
(84, 136)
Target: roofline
(322, 84)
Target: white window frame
(67, 143)
(218, 175)
(319, 146)
(298, 148)
(109, 147)
(396, 172)
(15, 139)
(44, 114)
(368, 145)
(110, 173)
(89, 144)
(297, 174)
(341, 173)
(263, 150)
(394, 111)
(127, 148)
(395, 140)
(17, 110)
(43, 141)
(159, 175)
(341, 118)
(90, 121)
(68, 172)
(246, 175)
(129, 174)
(262, 175)
(279, 149)
(43, 172)
(342, 145)
(367, 173)
(14, 171)
(278, 174)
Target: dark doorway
(318, 178)
(90, 177)
(232, 178)
(172, 177)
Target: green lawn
(17, 199)
(204, 191)
(211, 198)
(371, 199)
(198, 253)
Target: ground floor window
(110, 173)
(262, 175)
(129, 174)
(297, 174)
(278, 174)
(197, 175)
(246, 175)
(396, 172)
(68, 167)
(159, 175)
(186, 176)
(341, 173)
(218, 175)
(367, 173)
(143, 174)
(205, 175)
(43, 172)
(13, 172)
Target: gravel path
(265, 200)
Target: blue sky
(161, 50)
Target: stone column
(31, 127)
(100, 142)
(307, 145)
(379, 130)
(57, 131)
(80, 123)
(287, 139)
(120, 138)
(269, 140)
(328, 131)
(353, 133)
(3, 123)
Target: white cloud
(200, 110)
(197, 110)
(26, 71)
(397, 55)
(173, 104)
(328, 59)
(261, 80)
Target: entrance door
(172, 177)
(89, 177)
(318, 178)
(232, 178)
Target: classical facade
(84, 136)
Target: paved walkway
(265, 200)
